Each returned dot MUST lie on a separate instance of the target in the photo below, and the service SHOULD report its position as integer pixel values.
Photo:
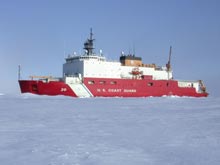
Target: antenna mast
(88, 45)
(134, 49)
(91, 34)
(19, 72)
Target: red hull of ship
(39, 87)
(112, 88)
(139, 88)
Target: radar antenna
(88, 45)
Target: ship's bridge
(74, 58)
(76, 65)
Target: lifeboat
(135, 71)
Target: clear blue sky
(37, 33)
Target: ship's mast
(88, 45)
(168, 65)
(19, 72)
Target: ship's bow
(27, 86)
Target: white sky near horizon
(35, 35)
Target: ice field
(43, 130)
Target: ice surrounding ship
(92, 75)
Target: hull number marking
(63, 89)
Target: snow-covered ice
(42, 130)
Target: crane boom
(168, 65)
(40, 77)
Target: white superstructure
(98, 67)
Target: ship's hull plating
(39, 87)
(97, 87)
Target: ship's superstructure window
(150, 84)
(113, 82)
(102, 82)
(71, 59)
(91, 82)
